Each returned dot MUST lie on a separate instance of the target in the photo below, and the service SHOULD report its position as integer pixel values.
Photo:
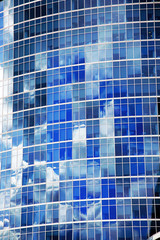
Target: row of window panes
(97, 233)
(104, 15)
(107, 167)
(145, 69)
(65, 76)
(99, 53)
(88, 55)
(132, 108)
(103, 127)
(90, 189)
(91, 36)
(124, 109)
(144, 126)
(88, 3)
(88, 18)
(106, 233)
(86, 90)
(149, 104)
(75, 55)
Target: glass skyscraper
(79, 119)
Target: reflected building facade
(79, 119)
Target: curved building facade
(79, 119)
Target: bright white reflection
(106, 127)
(88, 74)
(16, 179)
(94, 211)
(65, 213)
(1, 87)
(8, 21)
(79, 141)
(79, 133)
(107, 110)
(1, 75)
(51, 175)
(17, 157)
(2, 200)
(41, 61)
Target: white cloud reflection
(79, 133)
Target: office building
(79, 119)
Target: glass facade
(79, 119)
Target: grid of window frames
(79, 119)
